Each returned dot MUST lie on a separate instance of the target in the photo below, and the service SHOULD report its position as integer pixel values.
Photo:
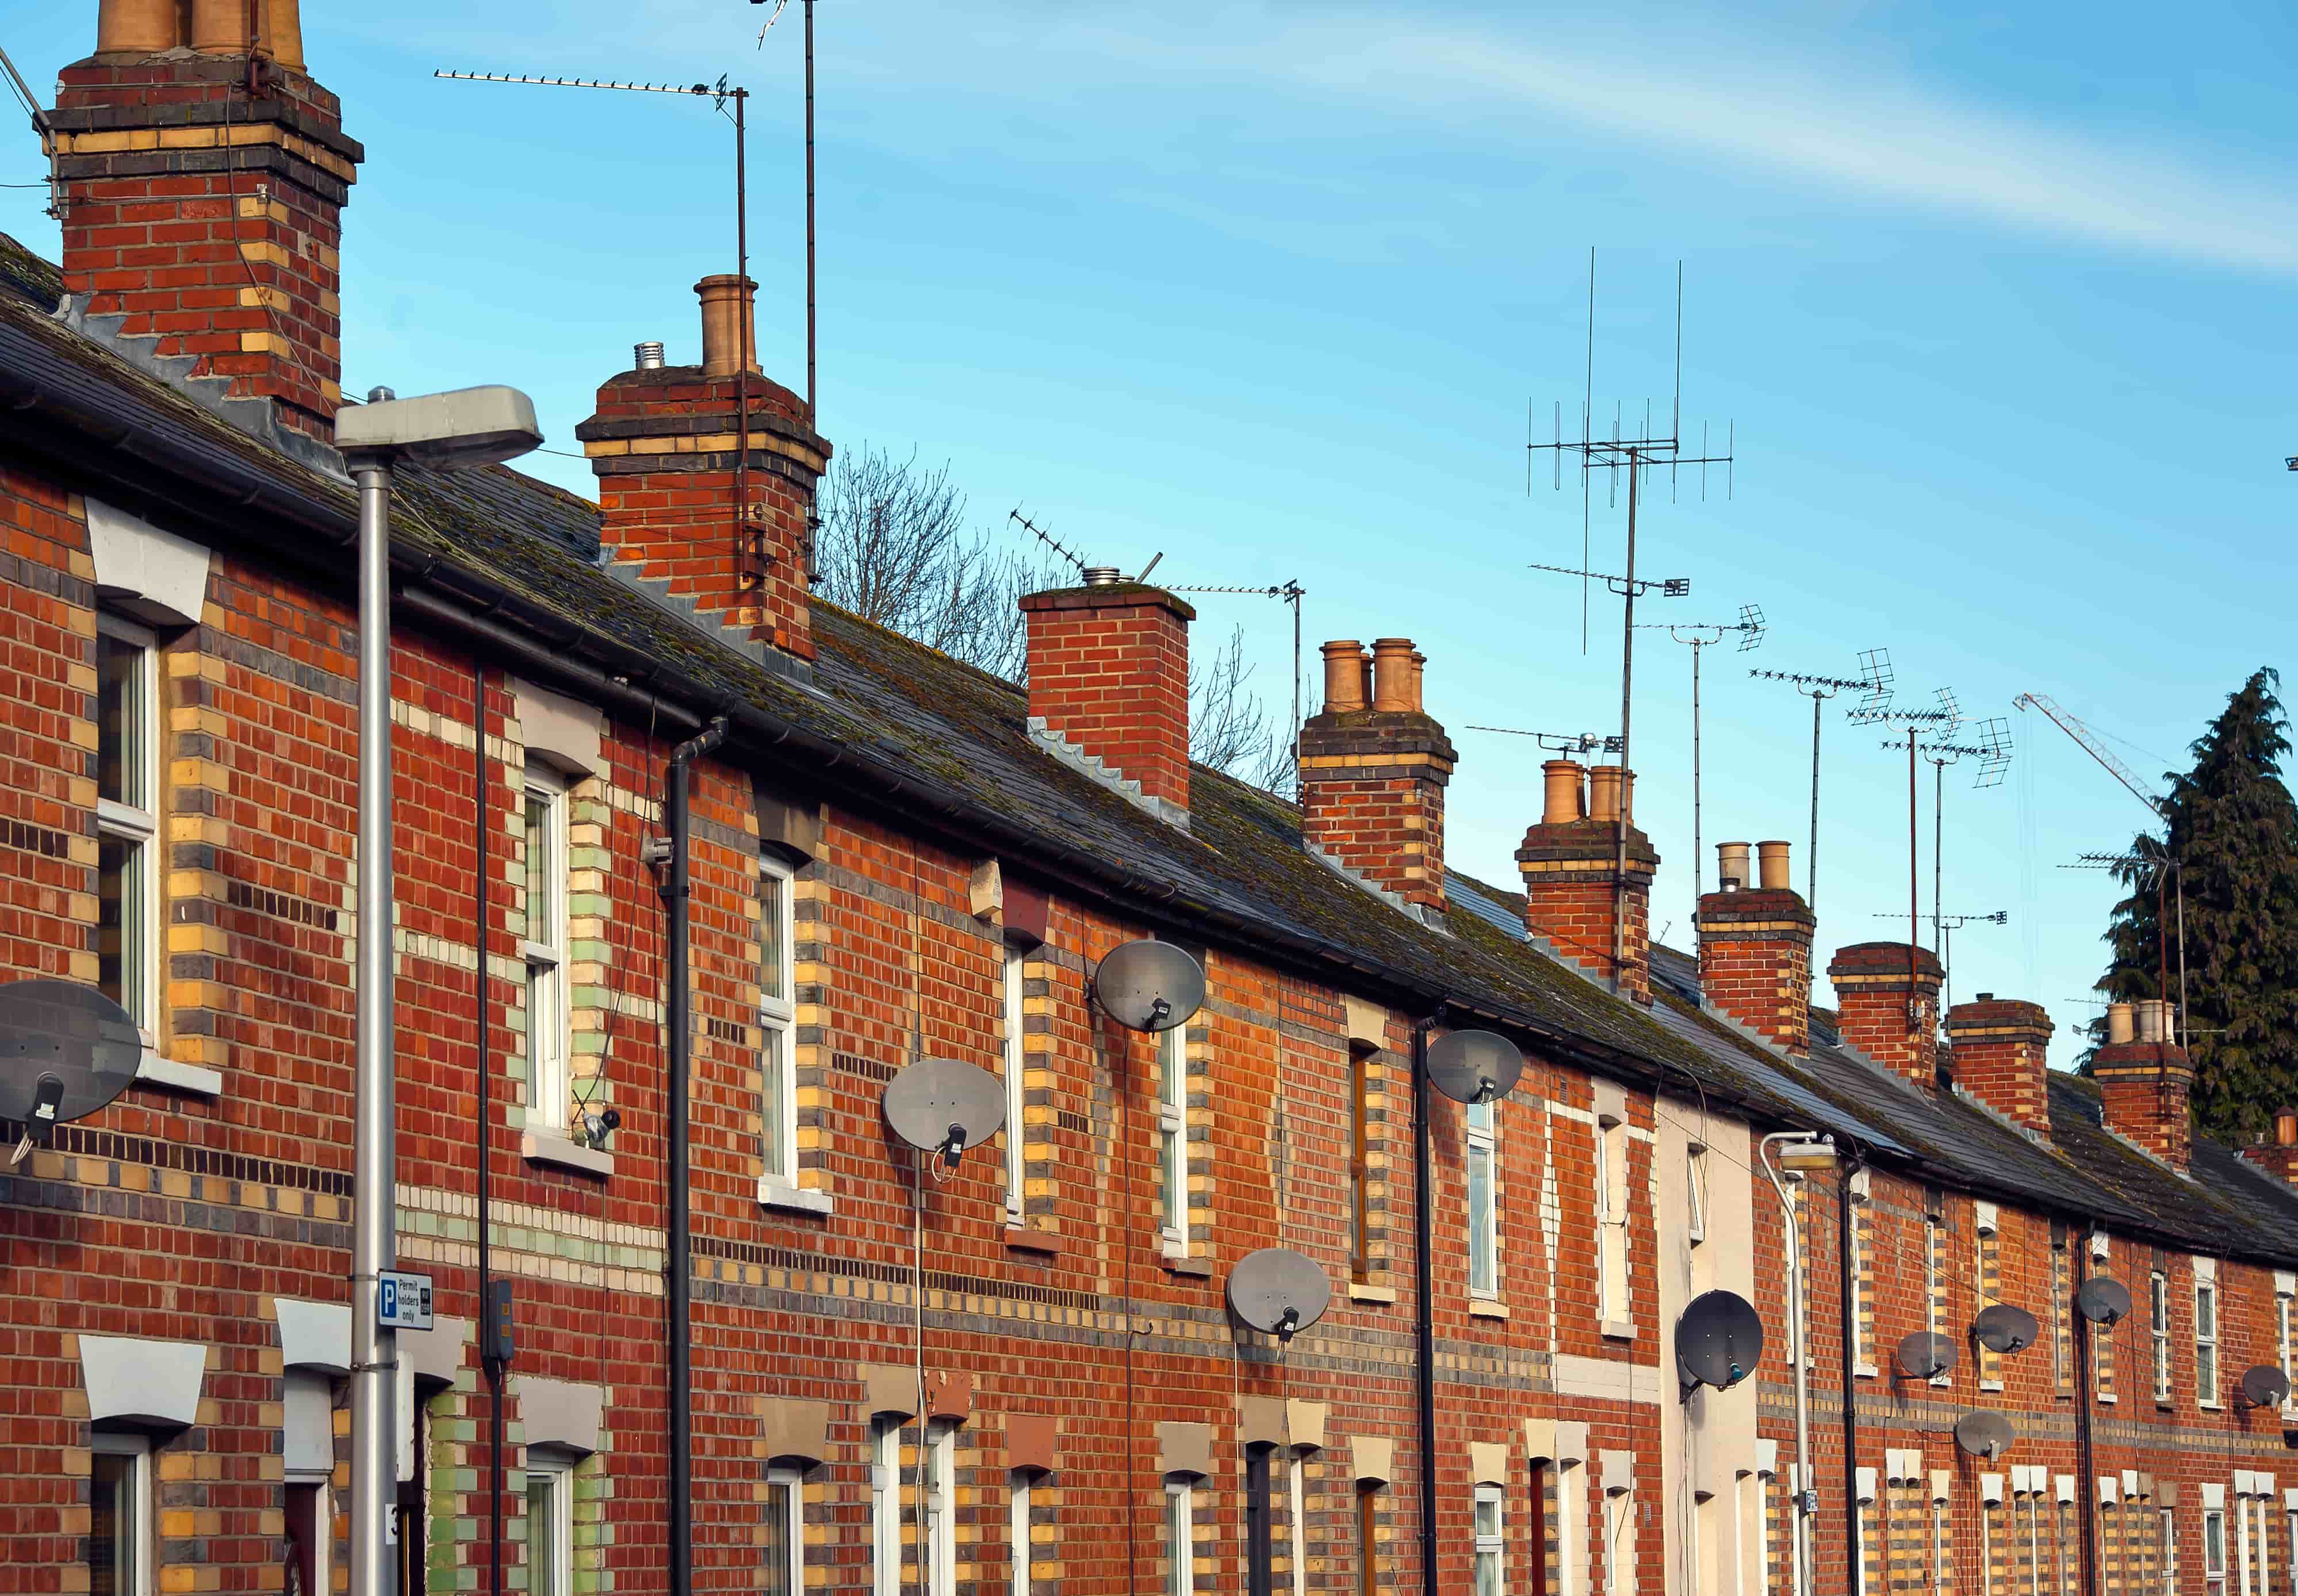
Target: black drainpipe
(2087, 1487)
(682, 1282)
(1848, 1342)
(493, 1365)
(1424, 1306)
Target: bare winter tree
(894, 549)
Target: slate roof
(951, 729)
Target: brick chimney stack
(1109, 676)
(665, 443)
(1755, 948)
(1373, 772)
(2145, 1079)
(1570, 864)
(2278, 1154)
(204, 178)
(2002, 1058)
(1874, 985)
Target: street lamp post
(1800, 1154)
(471, 427)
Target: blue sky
(1999, 307)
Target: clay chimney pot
(1419, 680)
(1392, 674)
(1344, 676)
(220, 27)
(135, 27)
(1563, 792)
(2119, 1027)
(730, 338)
(1732, 866)
(283, 32)
(2285, 1127)
(1611, 793)
(1771, 865)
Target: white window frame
(2167, 1528)
(1611, 1146)
(1019, 1552)
(1619, 1541)
(2215, 1546)
(2159, 1323)
(2206, 1342)
(1181, 1533)
(1490, 1549)
(1296, 1508)
(559, 1473)
(793, 1522)
(1853, 1336)
(1482, 1145)
(940, 1519)
(133, 820)
(1695, 1186)
(549, 1006)
(1173, 1137)
(777, 1017)
(1016, 1086)
(886, 1506)
(141, 1580)
(2282, 1358)
(1934, 1255)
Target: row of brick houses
(1022, 1377)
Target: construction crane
(2088, 741)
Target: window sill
(1487, 1307)
(1865, 1371)
(1383, 1296)
(1990, 1384)
(787, 1198)
(1201, 1269)
(2106, 1398)
(2212, 1407)
(195, 1079)
(1022, 1239)
(1619, 1329)
(565, 1153)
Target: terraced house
(1024, 1377)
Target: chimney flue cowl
(1731, 867)
(647, 356)
(1101, 576)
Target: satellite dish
(1984, 1435)
(2264, 1386)
(66, 1051)
(2004, 1329)
(1279, 1292)
(1718, 1341)
(1923, 1356)
(1474, 1067)
(1149, 985)
(944, 1105)
(2104, 1300)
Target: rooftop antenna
(749, 550)
(1561, 742)
(1948, 925)
(1076, 560)
(1873, 687)
(1289, 592)
(812, 412)
(1940, 720)
(1698, 636)
(1988, 743)
(1638, 455)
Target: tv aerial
(1561, 742)
(1149, 985)
(66, 1051)
(1925, 1356)
(2004, 1328)
(1874, 685)
(2262, 1385)
(2104, 1300)
(1719, 1341)
(1983, 1433)
(944, 1105)
(1699, 637)
(1474, 1067)
(1279, 1292)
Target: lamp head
(459, 431)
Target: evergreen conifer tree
(2233, 833)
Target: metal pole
(1914, 889)
(1628, 767)
(751, 570)
(1423, 1305)
(1939, 815)
(1698, 856)
(813, 414)
(1807, 1495)
(374, 1350)
(2178, 878)
(1810, 894)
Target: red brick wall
(2002, 1058)
(1569, 870)
(1109, 672)
(1755, 962)
(1873, 983)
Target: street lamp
(1801, 1154)
(448, 431)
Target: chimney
(1373, 775)
(664, 444)
(2145, 1080)
(203, 177)
(2002, 1058)
(1570, 864)
(1875, 982)
(2278, 1155)
(1109, 676)
(1755, 948)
